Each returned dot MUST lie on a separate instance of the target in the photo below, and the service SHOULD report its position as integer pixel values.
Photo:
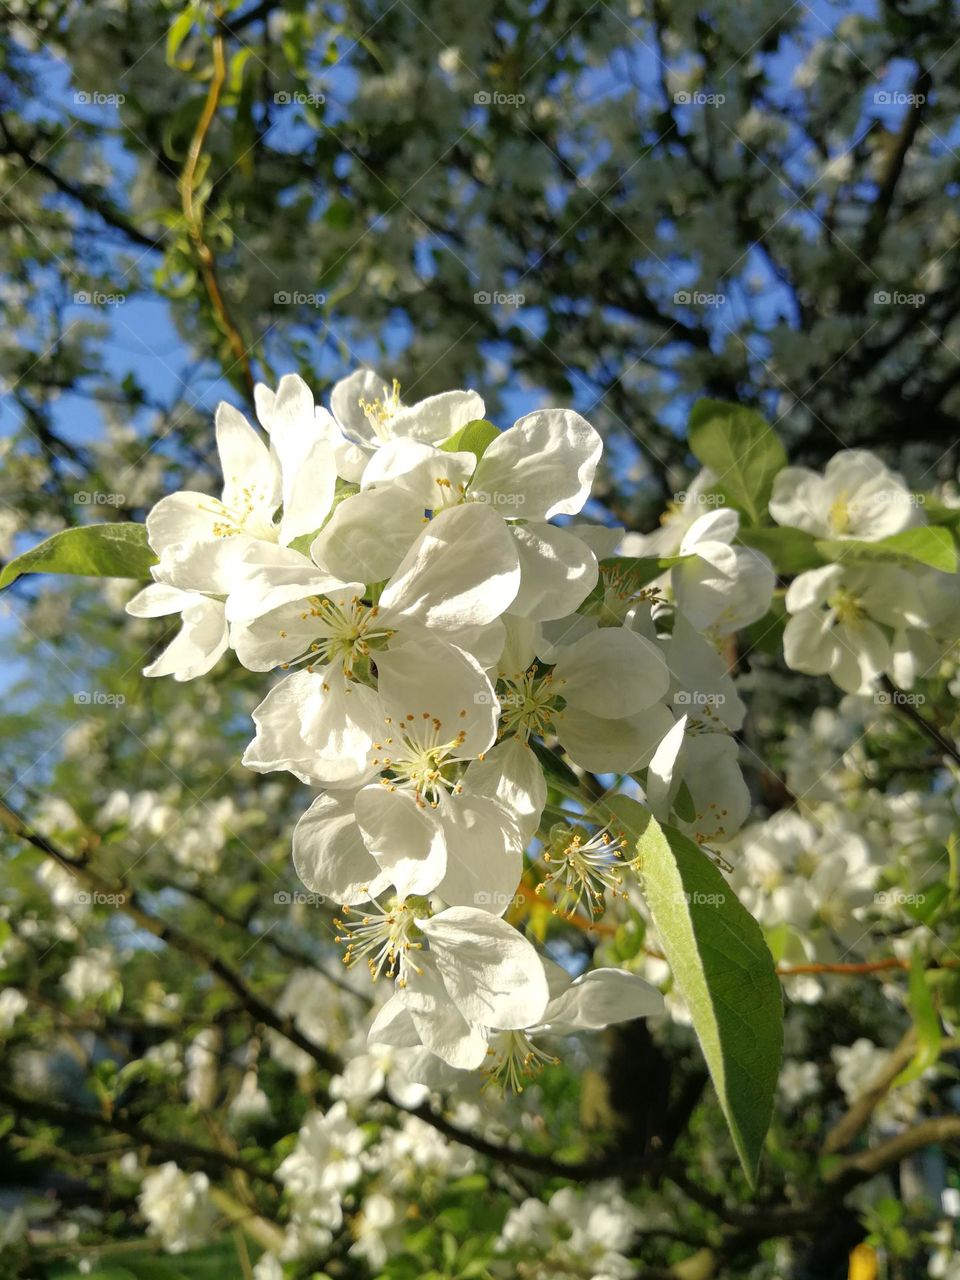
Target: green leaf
(723, 968)
(926, 1021)
(791, 550)
(476, 437)
(100, 550)
(927, 544)
(742, 451)
(178, 32)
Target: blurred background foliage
(622, 206)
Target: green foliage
(721, 964)
(742, 451)
(99, 550)
(926, 544)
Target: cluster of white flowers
(177, 1207)
(585, 1232)
(440, 642)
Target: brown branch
(121, 1122)
(907, 709)
(193, 212)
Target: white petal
(157, 600)
(611, 672)
(484, 853)
(600, 998)
(318, 726)
(251, 476)
(462, 571)
(330, 856)
(542, 467)
(265, 576)
(721, 525)
(345, 399)
(436, 418)
(663, 775)
(491, 972)
(557, 571)
(435, 692)
(368, 534)
(405, 839)
(199, 644)
(511, 773)
(612, 746)
(440, 1024)
(435, 478)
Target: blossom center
(421, 757)
(347, 632)
(583, 869)
(846, 607)
(246, 516)
(379, 412)
(529, 703)
(513, 1059)
(840, 517)
(384, 937)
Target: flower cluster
(397, 567)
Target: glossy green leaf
(97, 550)
(742, 451)
(722, 967)
(476, 437)
(927, 544)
